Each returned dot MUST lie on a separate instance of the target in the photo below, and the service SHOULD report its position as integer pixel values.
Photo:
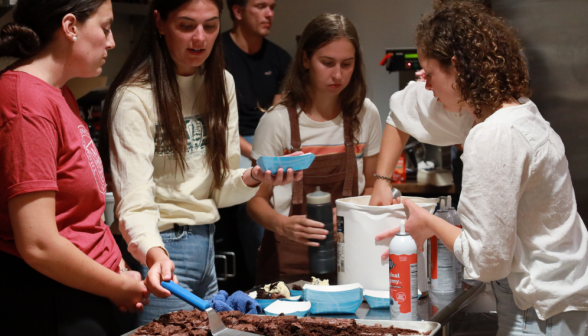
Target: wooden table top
(413, 187)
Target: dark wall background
(554, 34)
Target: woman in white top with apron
(325, 112)
(521, 229)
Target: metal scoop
(217, 327)
(396, 193)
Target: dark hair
(36, 21)
(231, 3)
(150, 62)
(322, 30)
(490, 65)
(437, 4)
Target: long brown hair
(320, 31)
(490, 65)
(150, 63)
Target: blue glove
(219, 302)
(244, 303)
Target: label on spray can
(403, 282)
(442, 267)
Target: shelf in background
(413, 187)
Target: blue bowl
(273, 163)
(288, 308)
(334, 301)
(377, 302)
(296, 293)
(299, 314)
(265, 302)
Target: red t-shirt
(45, 145)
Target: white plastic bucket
(109, 209)
(358, 253)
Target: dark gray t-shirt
(257, 79)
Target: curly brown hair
(491, 67)
(437, 4)
(322, 30)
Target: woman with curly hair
(325, 112)
(521, 229)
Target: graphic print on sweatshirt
(196, 133)
(93, 158)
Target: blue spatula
(217, 326)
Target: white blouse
(517, 204)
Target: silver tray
(420, 326)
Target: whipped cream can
(403, 277)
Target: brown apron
(281, 259)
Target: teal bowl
(334, 302)
(296, 293)
(265, 302)
(292, 308)
(273, 163)
(377, 302)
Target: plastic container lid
(318, 197)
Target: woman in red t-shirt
(61, 265)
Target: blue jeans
(514, 322)
(191, 248)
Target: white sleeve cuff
(145, 245)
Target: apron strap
(297, 186)
(351, 164)
(294, 129)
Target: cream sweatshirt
(517, 204)
(151, 194)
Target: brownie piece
(245, 327)
(375, 330)
(230, 321)
(170, 330)
(232, 313)
(285, 318)
(153, 328)
(179, 318)
(296, 287)
(255, 319)
(196, 323)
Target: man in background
(258, 67)
(257, 64)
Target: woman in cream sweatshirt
(174, 150)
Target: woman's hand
(382, 194)
(301, 229)
(417, 225)
(131, 295)
(161, 268)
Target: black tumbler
(323, 259)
